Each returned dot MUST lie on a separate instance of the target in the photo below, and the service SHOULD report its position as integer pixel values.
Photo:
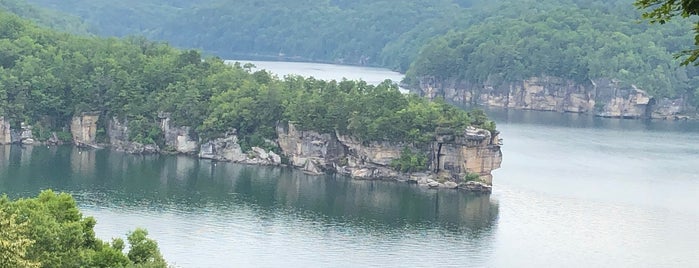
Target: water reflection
(112, 179)
(575, 120)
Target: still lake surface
(573, 191)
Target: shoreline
(423, 180)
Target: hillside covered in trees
(579, 41)
(47, 77)
(473, 40)
(46, 17)
(386, 33)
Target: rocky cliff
(83, 127)
(601, 97)
(177, 139)
(24, 135)
(5, 131)
(227, 148)
(118, 133)
(452, 157)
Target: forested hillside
(47, 77)
(387, 33)
(45, 17)
(579, 41)
(472, 40)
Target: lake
(573, 191)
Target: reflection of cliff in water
(109, 178)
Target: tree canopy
(386, 33)
(50, 231)
(661, 11)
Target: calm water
(573, 191)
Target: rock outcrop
(177, 139)
(310, 151)
(451, 157)
(5, 131)
(25, 135)
(223, 149)
(476, 151)
(670, 109)
(118, 133)
(228, 149)
(601, 97)
(83, 127)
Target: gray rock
(433, 184)
(260, 153)
(312, 168)
(118, 133)
(177, 138)
(5, 131)
(473, 186)
(223, 149)
(451, 185)
(276, 159)
(83, 128)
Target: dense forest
(46, 17)
(46, 77)
(387, 33)
(473, 40)
(580, 41)
(50, 231)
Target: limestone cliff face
(118, 133)
(451, 156)
(83, 127)
(5, 131)
(602, 97)
(228, 149)
(177, 139)
(476, 151)
(311, 151)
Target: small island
(140, 97)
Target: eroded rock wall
(118, 133)
(83, 127)
(177, 139)
(5, 131)
(601, 97)
(451, 157)
(227, 148)
(309, 150)
(476, 151)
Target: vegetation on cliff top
(47, 77)
(50, 231)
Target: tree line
(47, 77)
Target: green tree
(50, 231)
(661, 11)
(144, 250)
(14, 242)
